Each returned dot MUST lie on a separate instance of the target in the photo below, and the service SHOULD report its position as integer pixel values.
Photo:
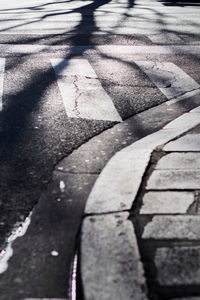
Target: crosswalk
(84, 96)
(82, 92)
(172, 81)
(109, 16)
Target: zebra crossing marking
(194, 49)
(172, 81)
(82, 92)
(2, 71)
(167, 38)
(84, 97)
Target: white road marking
(107, 49)
(19, 230)
(2, 70)
(172, 81)
(82, 92)
(167, 38)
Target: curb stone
(115, 195)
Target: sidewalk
(141, 232)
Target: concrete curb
(105, 272)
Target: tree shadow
(180, 3)
(21, 157)
(26, 165)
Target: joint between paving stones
(106, 213)
(154, 289)
(155, 156)
(197, 200)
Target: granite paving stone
(184, 121)
(174, 179)
(195, 110)
(110, 260)
(178, 266)
(118, 183)
(184, 227)
(179, 160)
(189, 142)
(166, 202)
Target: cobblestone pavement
(168, 222)
(159, 256)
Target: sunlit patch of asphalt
(18, 231)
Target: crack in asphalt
(76, 104)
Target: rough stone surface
(174, 179)
(179, 161)
(158, 138)
(173, 227)
(110, 261)
(184, 122)
(166, 202)
(189, 142)
(118, 184)
(128, 167)
(195, 110)
(178, 266)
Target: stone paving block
(189, 142)
(118, 183)
(157, 138)
(174, 179)
(178, 266)
(195, 110)
(110, 260)
(184, 122)
(166, 202)
(173, 227)
(171, 161)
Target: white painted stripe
(167, 38)
(108, 49)
(19, 230)
(172, 81)
(82, 92)
(149, 50)
(2, 70)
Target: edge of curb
(107, 237)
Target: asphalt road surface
(71, 70)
